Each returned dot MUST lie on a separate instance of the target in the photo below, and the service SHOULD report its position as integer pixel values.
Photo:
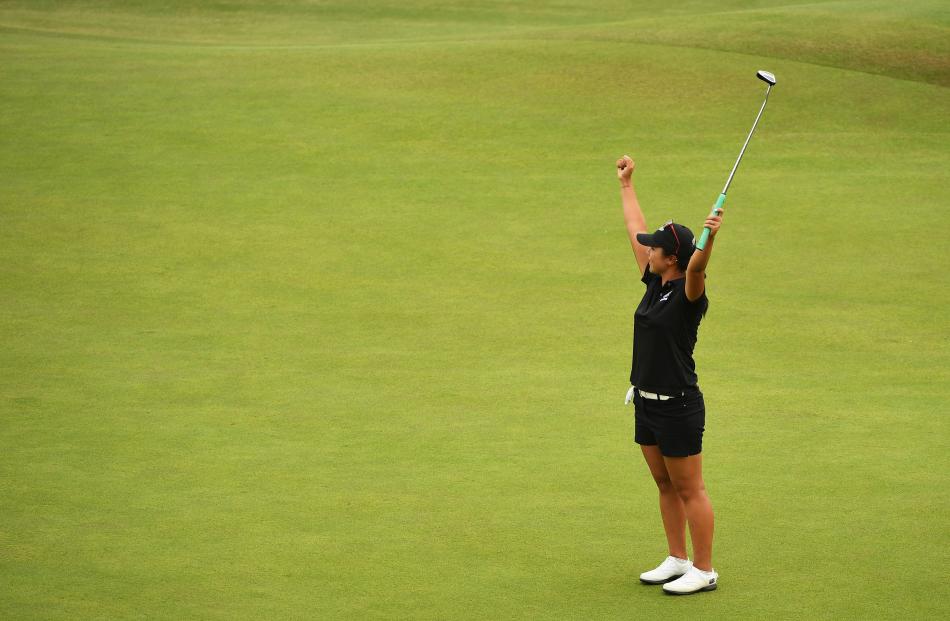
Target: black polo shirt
(665, 326)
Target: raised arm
(696, 270)
(632, 215)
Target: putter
(768, 78)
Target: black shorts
(675, 425)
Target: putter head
(765, 76)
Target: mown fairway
(323, 309)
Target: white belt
(654, 396)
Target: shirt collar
(671, 283)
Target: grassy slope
(323, 311)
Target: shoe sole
(655, 582)
(711, 587)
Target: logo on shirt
(666, 296)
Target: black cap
(674, 239)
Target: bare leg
(687, 476)
(671, 505)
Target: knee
(691, 491)
(665, 485)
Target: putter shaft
(748, 138)
(769, 79)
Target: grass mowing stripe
(249, 371)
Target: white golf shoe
(693, 581)
(669, 569)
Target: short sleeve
(648, 276)
(699, 306)
(702, 300)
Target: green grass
(322, 310)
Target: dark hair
(682, 260)
(683, 269)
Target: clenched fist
(625, 166)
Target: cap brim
(648, 239)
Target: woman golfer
(670, 415)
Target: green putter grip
(705, 236)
